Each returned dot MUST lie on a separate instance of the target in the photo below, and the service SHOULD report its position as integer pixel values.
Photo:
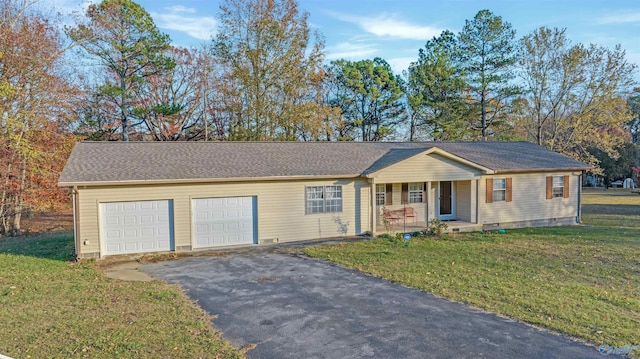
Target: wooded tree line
(113, 75)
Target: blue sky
(396, 29)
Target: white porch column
(374, 216)
(475, 201)
(427, 201)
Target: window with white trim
(558, 186)
(381, 194)
(323, 199)
(416, 192)
(499, 189)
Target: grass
(580, 280)
(53, 308)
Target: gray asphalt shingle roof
(100, 162)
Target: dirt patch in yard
(49, 221)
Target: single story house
(138, 197)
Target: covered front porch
(411, 206)
(426, 185)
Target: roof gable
(398, 157)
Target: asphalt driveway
(291, 306)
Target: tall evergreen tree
(486, 50)
(370, 97)
(436, 90)
(122, 36)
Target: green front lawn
(52, 308)
(580, 280)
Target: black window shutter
(388, 198)
(405, 193)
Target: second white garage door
(223, 221)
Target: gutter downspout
(76, 238)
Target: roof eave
(530, 170)
(200, 180)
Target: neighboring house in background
(138, 197)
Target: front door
(447, 203)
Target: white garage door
(223, 221)
(136, 227)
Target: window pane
(416, 186)
(380, 194)
(499, 183)
(333, 192)
(314, 192)
(558, 181)
(416, 192)
(314, 207)
(315, 203)
(333, 199)
(499, 195)
(558, 186)
(415, 197)
(333, 205)
(558, 192)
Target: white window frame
(314, 196)
(557, 187)
(381, 194)
(416, 192)
(323, 199)
(499, 189)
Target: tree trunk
(483, 120)
(413, 128)
(123, 109)
(4, 199)
(19, 201)
(125, 129)
(539, 135)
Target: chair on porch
(410, 213)
(391, 216)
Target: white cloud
(389, 25)
(180, 8)
(620, 18)
(399, 64)
(198, 27)
(350, 51)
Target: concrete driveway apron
(291, 306)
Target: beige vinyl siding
(422, 168)
(463, 201)
(280, 208)
(529, 201)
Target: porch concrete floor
(452, 227)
